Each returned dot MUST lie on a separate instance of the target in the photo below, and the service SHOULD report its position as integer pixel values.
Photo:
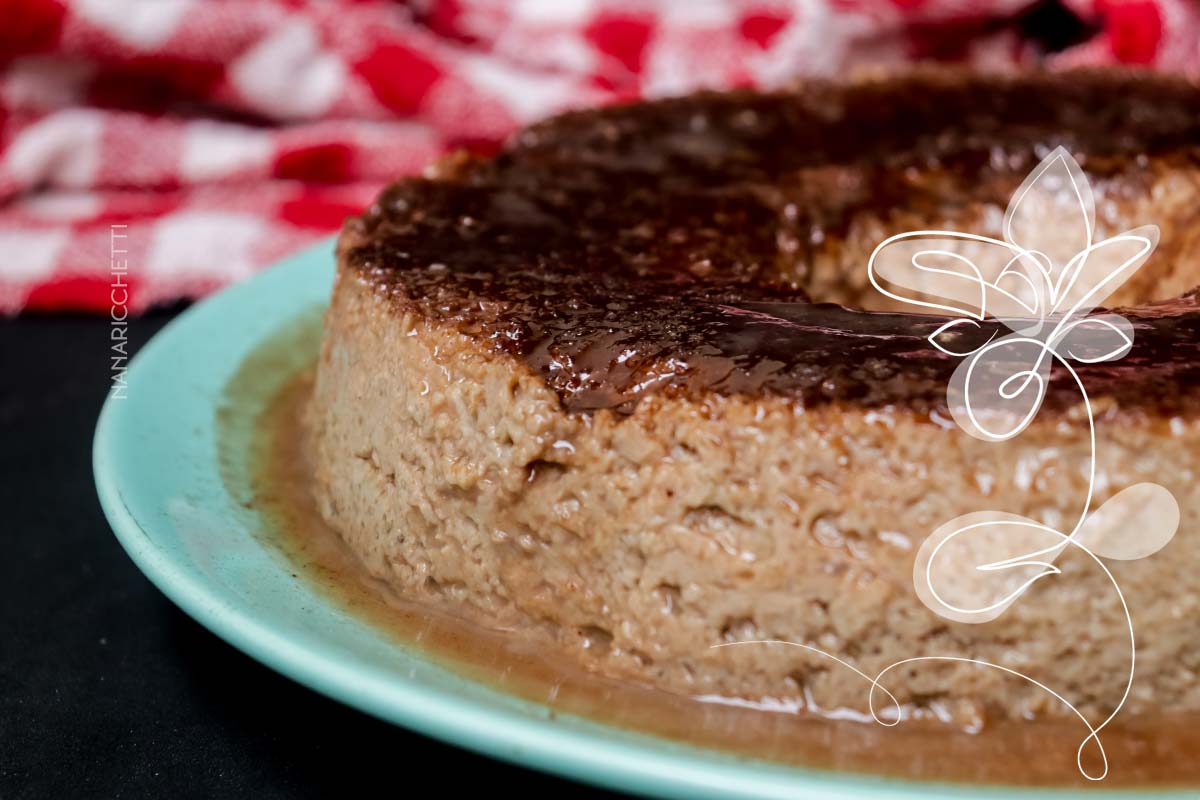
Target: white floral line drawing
(1041, 281)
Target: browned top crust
(628, 249)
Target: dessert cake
(624, 389)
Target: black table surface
(106, 688)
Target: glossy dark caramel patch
(663, 246)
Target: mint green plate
(160, 483)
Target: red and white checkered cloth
(220, 135)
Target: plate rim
(675, 769)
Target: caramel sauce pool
(264, 466)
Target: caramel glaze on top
(631, 249)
